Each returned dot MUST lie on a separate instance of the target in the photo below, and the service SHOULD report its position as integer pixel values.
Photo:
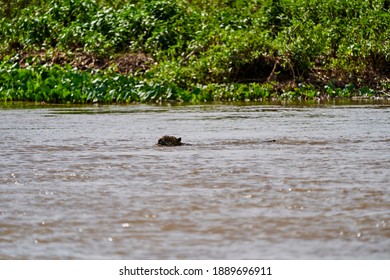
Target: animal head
(169, 141)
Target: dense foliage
(81, 51)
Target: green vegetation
(81, 51)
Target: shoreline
(96, 51)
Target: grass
(73, 51)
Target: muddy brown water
(89, 182)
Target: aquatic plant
(193, 51)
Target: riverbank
(72, 51)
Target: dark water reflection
(89, 183)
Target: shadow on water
(153, 107)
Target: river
(90, 183)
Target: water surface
(89, 182)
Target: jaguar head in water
(169, 141)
